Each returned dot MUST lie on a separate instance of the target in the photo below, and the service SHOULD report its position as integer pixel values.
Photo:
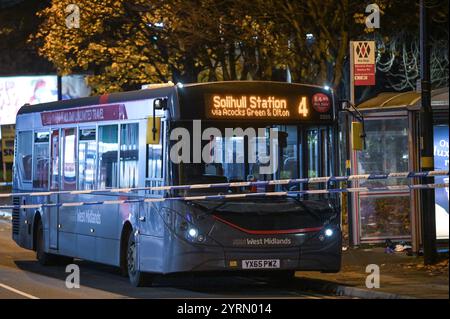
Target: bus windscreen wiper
(306, 209)
(210, 210)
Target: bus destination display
(302, 107)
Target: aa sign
(363, 62)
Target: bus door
(318, 155)
(53, 212)
(154, 176)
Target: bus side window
(41, 160)
(24, 155)
(55, 157)
(69, 159)
(108, 147)
(154, 168)
(129, 155)
(87, 149)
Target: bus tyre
(64, 260)
(137, 278)
(45, 259)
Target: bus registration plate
(261, 264)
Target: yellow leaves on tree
(109, 45)
(123, 44)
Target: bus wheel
(137, 278)
(63, 260)
(45, 259)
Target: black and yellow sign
(8, 132)
(153, 130)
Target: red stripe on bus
(269, 232)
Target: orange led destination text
(249, 106)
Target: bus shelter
(391, 122)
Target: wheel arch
(127, 228)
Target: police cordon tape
(231, 196)
(311, 180)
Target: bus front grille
(15, 215)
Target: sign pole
(362, 73)
(354, 239)
(427, 205)
(352, 74)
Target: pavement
(5, 214)
(401, 276)
(5, 201)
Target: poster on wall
(19, 90)
(441, 194)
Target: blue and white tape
(230, 196)
(312, 180)
(5, 184)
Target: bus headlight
(187, 230)
(328, 232)
(193, 232)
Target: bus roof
(152, 92)
(97, 100)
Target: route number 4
(303, 107)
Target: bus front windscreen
(238, 155)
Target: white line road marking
(24, 294)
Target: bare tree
(400, 60)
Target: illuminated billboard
(19, 90)
(441, 194)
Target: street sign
(8, 143)
(363, 62)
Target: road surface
(22, 277)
